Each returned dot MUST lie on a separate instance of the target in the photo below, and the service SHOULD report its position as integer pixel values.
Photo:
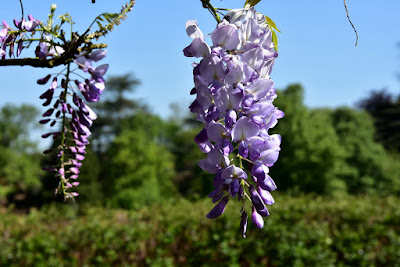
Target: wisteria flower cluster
(9, 36)
(72, 116)
(234, 99)
(67, 96)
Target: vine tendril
(351, 23)
(22, 9)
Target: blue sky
(316, 48)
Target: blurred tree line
(137, 158)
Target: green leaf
(251, 3)
(99, 24)
(275, 40)
(271, 23)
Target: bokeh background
(143, 199)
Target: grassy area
(301, 231)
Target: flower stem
(63, 136)
(213, 11)
(22, 9)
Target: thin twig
(207, 5)
(22, 10)
(352, 25)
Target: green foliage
(191, 181)
(111, 20)
(385, 110)
(251, 3)
(275, 40)
(19, 174)
(331, 151)
(271, 23)
(363, 171)
(16, 124)
(141, 168)
(301, 231)
(311, 154)
(90, 189)
(112, 109)
(19, 163)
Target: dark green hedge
(301, 231)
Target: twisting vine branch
(351, 23)
(22, 9)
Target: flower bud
(243, 224)
(256, 218)
(44, 80)
(218, 209)
(53, 8)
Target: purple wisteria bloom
(9, 36)
(31, 24)
(93, 87)
(46, 49)
(75, 116)
(234, 100)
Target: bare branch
(22, 9)
(352, 25)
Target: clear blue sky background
(316, 47)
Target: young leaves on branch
(53, 40)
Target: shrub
(301, 231)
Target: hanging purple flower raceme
(72, 115)
(66, 97)
(234, 99)
(10, 37)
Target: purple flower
(17, 23)
(240, 73)
(198, 48)
(203, 142)
(81, 115)
(260, 88)
(212, 68)
(243, 129)
(234, 99)
(84, 63)
(230, 118)
(99, 72)
(256, 199)
(5, 24)
(3, 34)
(233, 172)
(97, 55)
(227, 98)
(217, 132)
(243, 149)
(45, 49)
(217, 194)
(266, 196)
(218, 209)
(44, 80)
(31, 24)
(214, 162)
(256, 218)
(48, 113)
(193, 30)
(226, 36)
(48, 95)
